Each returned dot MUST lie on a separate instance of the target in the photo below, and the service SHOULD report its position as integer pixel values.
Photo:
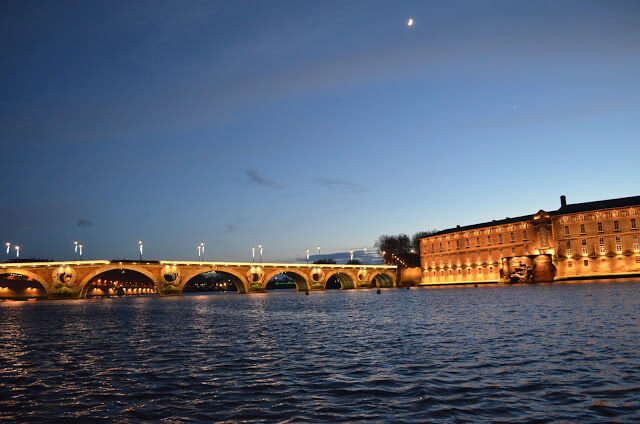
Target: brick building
(582, 240)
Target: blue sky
(297, 124)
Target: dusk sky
(305, 123)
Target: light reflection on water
(562, 352)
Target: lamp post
(253, 254)
(80, 250)
(318, 252)
(365, 256)
(260, 247)
(17, 251)
(199, 252)
(351, 253)
(75, 250)
(202, 251)
(307, 255)
(140, 246)
(383, 259)
(8, 250)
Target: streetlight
(80, 250)
(253, 254)
(202, 250)
(365, 256)
(307, 255)
(351, 252)
(199, 252)
(17, 251)
(8, 249)
(383, 259)
(75, 250)
(318, 252)
(260, 247)
(140, 246)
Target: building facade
(582, 240)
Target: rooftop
(564, 209)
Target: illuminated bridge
(79, 279)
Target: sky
(297, 124)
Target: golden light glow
(410, 22)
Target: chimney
(563, 201)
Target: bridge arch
(302, 284)
(38, 280)
(240, 281)
(85, 283)
(382, 279)
(346, 280)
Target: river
(546, 353)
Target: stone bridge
(73, 279)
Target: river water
(563, 352)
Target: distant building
(582, 240)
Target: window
(582, 230)
(601, 241)
(569, 264)
(635, 243)
(477, 241)
(441, 246)
(568, 244)
(633, 224)
(457, 244)
(467, 243)
(617, 239)
(500, 238)
(491, 269)
(569, 253)
(524, 235)
(489, 240)
(513, 237)
(459, 271)
(616, 225)
(566, 230)
(602, 250)
(433, 248)
(599, 227)
(618, 248)
(584, 242)
(586, 262)
(513, 250)
(501, 252)
(448, 245)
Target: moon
(410, 22)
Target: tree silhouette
(400, 249)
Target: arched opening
(339, 280)
(19, 286)
(287, 280)
(119, 282)
(212, 282)
(382, 280)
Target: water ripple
(566, 352)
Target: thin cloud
(337, 184)
(256, 178)
(229, 228)
(83, 223)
